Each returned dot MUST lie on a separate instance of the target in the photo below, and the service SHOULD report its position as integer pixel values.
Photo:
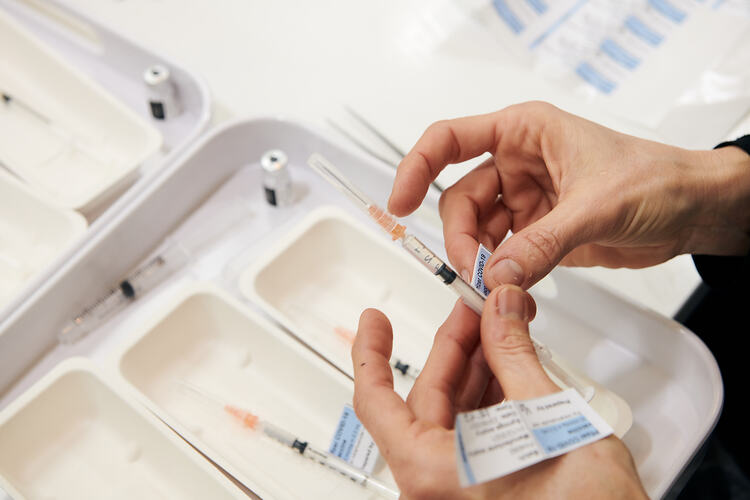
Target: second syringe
(310, 319)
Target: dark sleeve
(725, 272)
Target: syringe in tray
(398, 364)
(155, 270)
(347, 335)
(69, 137)
(252, 422)
(471, 297)
(171, 256)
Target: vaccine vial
(277, 183)
(162, 94)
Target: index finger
(383, 413)
(463, 207)
(444, 142)
(432, 397)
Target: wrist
(721, 187)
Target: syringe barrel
(423, 254)
(435, 264)
(336, 464)
(173, 256)
(349, 471)
(278, 434)
(468, 295)
(92, 316)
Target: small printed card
(352, 443)
(477, 277)
(495, 441)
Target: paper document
(634, 55)
(501, 439)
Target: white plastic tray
(209, 340)
(75, 435)
(32, 233)
(664, 373)
(65, 41)
(62, 133)
(116, 64)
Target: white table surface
(308, 60)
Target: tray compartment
(75, 437)
(319, 278)
(32, 234)
(212, 343)
(70, 140)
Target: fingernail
(511, 303)
(507, 271)
(465, 275)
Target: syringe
(172, 257)
(60, 131)
(471, 297)
(251, 421)
(172, 254)
(405, 369)
(347, 335)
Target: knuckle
(437, 128)
(513, 340)
(527, 117)
(361, 404)
(534, 107)
(543, 246)
(420, 487)
(442, 130)
(452, 249)
(541, 107)
(358, 403)
(445, 196)
(411, 398)
(448, 194)
(449, 336)
(443, 333)
(441, 125)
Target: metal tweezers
(380, 137)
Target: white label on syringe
(352, 443)
(498, 440)
(477, 277)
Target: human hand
(416, 437)
(574, 192)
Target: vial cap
(156, 75)
(274, 160)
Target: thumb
(507, 346)
(531, 253)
